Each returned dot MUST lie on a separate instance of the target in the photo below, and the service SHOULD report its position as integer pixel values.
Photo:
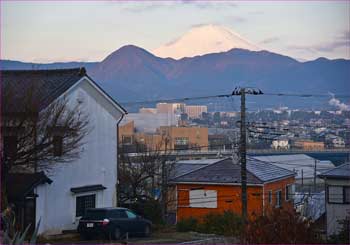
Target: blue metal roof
(340, 172)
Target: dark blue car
(113, 223)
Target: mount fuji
(204, 39)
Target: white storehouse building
(59, 198)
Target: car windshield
(130, 214)
(95, 214)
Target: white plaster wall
(97, 164)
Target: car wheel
(147, 231)
(117, 233)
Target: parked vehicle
(113, 223)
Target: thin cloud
(204, 24)
(146, 7)
(306, 48)
(209, 4)
(236, 19)
(216, 6)
(270, 40)
(342, 40)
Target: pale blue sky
(45, 31)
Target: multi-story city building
(170, 108)
(195, 111)
(186, 138)
(165, 137)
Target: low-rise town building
(216, 187)
(280, 143)
(337, 187)
(334, 141)
(308, 145)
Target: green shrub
(280, 226)
(19, 237)
(152, 210)
(343, 237)
(227, 224)
(189, 224)
(149, 209)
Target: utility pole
(243, 145)
(302, 178)
(315, 169)
(164, 184)
(243, 152)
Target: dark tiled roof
(266, 171)
(226, 172)
(21, 184)
(47, 85)
(340, 172)
(183, 168)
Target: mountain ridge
(132, 73)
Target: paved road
(156, 238)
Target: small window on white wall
(203, 199)
(83, 203)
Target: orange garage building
(216, 187)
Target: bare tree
(142, 172)
(36, 134)
(138, 173)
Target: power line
(184, 99)
(176, 99)
(271, 126)
(307, 95)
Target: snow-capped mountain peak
(203, 39)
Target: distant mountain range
(132, 74)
